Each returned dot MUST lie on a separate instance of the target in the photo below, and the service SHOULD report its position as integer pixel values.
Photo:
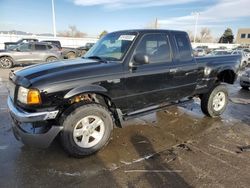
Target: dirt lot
(178, 147)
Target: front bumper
(26, 117)
(25, 130)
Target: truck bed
(212, 65)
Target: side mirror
(139, 59)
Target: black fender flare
(224, 68)
(230, 69)
(87, 89)
(98, 90)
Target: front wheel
(214, 102)
(6, 62)
(86, 130)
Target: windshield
(112, 47)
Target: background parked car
(67, 53)
(244, 60)
(27, 53)
(84, 49)
(8, 45)
(245, 79)
(219, 52)
(199, 52)
(247, 50)
(206, 48)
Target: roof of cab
(143, 31)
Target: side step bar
(154, 109)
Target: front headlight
(28, 96)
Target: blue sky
(94, 16)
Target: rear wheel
(71, 55)
(214, 103)
(6, 62)
(83, 52)
(86, 130)
(51, 59)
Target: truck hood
(61, 72)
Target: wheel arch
(71, 51)
(8, 57)
(227, 75)
(49, 56)
(92, 94)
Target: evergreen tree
(227, 36)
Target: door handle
(191, 72)
(173, 70)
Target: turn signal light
(34, 97)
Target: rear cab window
(183, 47)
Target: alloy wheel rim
(5, 62)
(51, 59)
(219, 101)
(88, 131)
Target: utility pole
(156, 23)
(196, 14)
(54, 18)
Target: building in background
(243, 36)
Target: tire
(71, 55)
(6, 62)
(214, 103)
(51, 59)
(83, 52)
(79, 139)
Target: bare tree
(72, 32)
(205, 35)
(191, 36)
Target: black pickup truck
(125, 75)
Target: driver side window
(156, 47)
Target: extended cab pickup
(126, 74)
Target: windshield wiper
(97, 57)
